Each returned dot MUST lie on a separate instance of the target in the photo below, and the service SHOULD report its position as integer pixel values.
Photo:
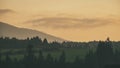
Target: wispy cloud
(4, 11)
(66, 22)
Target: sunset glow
(75, 20)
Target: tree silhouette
(30, 58)
(77, 63)
(8, 61)
(62, 60)
(45, 42)
(102, 57)
(49, 60)
(90, 60)
(41, 61)
(40, 57)
(104, 53)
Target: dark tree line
(103, 57)
(13, 43)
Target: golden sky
(77, 20)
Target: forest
(98, 54)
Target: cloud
(4, 11)
(66, 22)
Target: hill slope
(7, 30)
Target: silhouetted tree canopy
(105, 56)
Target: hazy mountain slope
(7, 30)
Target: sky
(75, 20)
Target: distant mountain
(7, 30)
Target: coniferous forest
(101, 54)
(59, 33)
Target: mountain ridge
(7, 30)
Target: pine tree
(49, 61)
(45, 42)
(40, 57)
(62, 58)
(104, 53)
(30, 58)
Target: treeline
(8, 43)
(14, 43)
(103, 57)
